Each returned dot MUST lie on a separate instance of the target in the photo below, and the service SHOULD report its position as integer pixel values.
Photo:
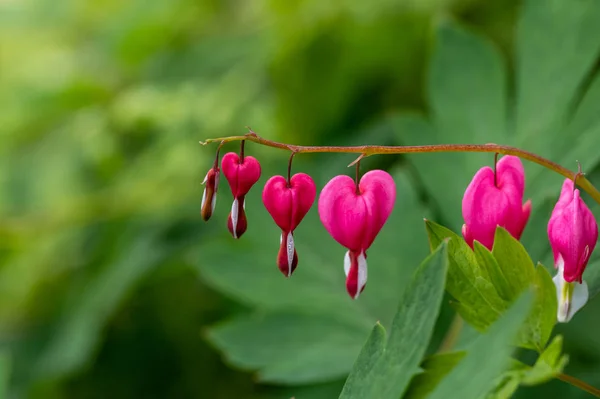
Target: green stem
(367, 150)
(452, 335)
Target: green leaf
(580, 138)
(469, 379)
(478, 301)
(515, 263)
(546, 83)
(362, 371)
(410, 334)
(480, 84)
(246, 270)
(435, 369)
(538, 327)
(486, 283)
(550, 363)
(487, 261)
(513, 260)
(289, 348)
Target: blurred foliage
(109, 279)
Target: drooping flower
(354, 216)
(288, 204)
(209, 196)
(573, 232)
(241, 174)
(495, 199)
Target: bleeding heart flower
(494, 199)
(209, 196)
(354, 216)
(241, 174)
(288, 204)
(573, 232)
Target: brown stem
(579, 384)
(216, 164)
(495, 169)
(356, 178)
(289, 179)
(242, 151)
(368, 150)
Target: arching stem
(368, 150)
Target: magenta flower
(573, 232)
(354, 216)
(209, 196)
(241, 174)
(288, 204)
(494, 199)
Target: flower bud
(209, 196)
(495, 199)
(241, 174)
(354, 216)
(288, 203)
(573, 232)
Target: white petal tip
(362, 273)
(571, 297)
(234, 217)
(214, 202)
(203, 199)
(347, 263)
(290, 252)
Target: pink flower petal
(493, 200)
(573, 232)
(354, 219)
(240, 176)
(289, 205)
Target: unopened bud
(209, 197)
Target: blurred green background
(111, 285)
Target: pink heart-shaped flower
(573, 232)
(241, 174)
(288, 204)
(495, 198)
(354, 216)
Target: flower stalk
(368, 150)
